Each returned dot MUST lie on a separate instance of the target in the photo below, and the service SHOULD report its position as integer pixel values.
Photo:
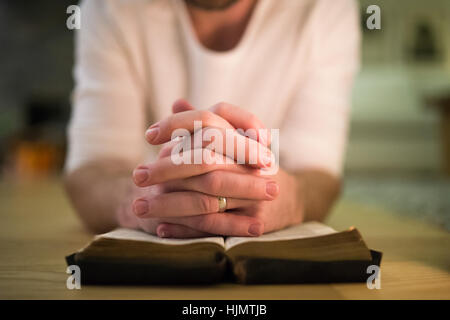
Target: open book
(309, 252)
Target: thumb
(181, 105)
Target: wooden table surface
(38, 229)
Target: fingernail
(255, 229)
(263, 138)
(140, 175)
(152, 133)
(163, 233)
(156, 124)
(272, 189)
(140, 207)
(267, 159)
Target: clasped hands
(181, 200)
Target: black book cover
(242, 270)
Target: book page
(304, 230)
(130, 234)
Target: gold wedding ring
(222, 204)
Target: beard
(211, 4)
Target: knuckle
(220, 108)
(147, 227)
(168, 125)
(257, 209)
(207, 223)
(254, 184)
(206, 160)
(165, 151)
(206, 117)
(253, 121)
(209, 158)
(158, 189)
(213, 182)
(205, 203)
(208, 132)
(258, 215)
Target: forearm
(98, 192)
(317, 191)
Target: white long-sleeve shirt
(293, 68)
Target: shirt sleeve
(107, 103)
(314, 131)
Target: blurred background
(398, 155)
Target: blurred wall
(36, 56)
(392, 128)
(36, 60)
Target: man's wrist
(317, 191)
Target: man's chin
(211, 4)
